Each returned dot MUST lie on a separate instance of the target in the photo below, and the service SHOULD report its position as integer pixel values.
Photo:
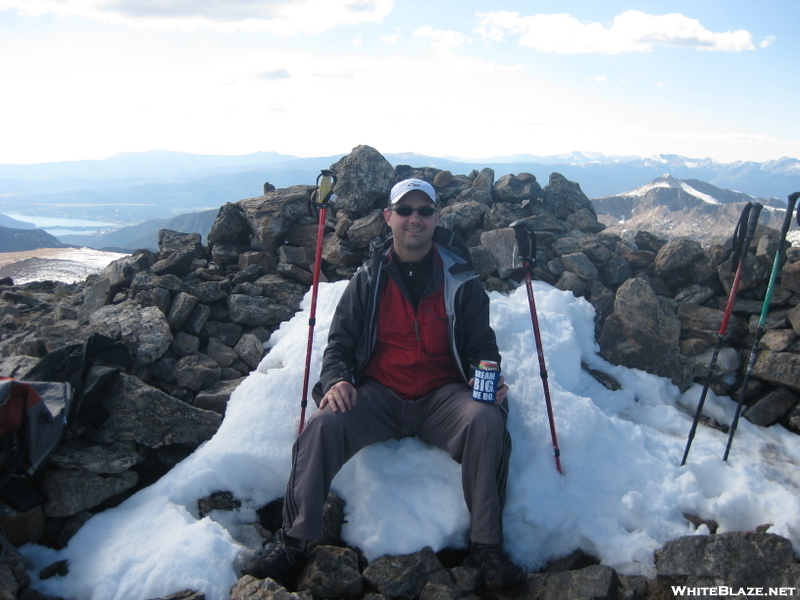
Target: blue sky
(473, 79)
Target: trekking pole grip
(326, 181)
(792, 199)
(526, 242)
(751, 225)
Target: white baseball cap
(401, 188)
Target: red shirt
(412, 352)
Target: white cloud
(275, 74)
(631, 31)
(443, 40)
(278, 17)
(390, 39)
(694, 137)
(598, 78)
(767, 41)
(118, 93)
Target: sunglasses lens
(407, 211)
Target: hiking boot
(277, 560)
(498, 570)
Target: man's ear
(387, 212)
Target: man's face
(413, 235)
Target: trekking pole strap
(744, 232)
(787, 218)
(738, 235)
(747, 224)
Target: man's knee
(324, 420)
(488, 414)
(486, 426)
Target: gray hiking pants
(474, 433)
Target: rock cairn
(194, 319)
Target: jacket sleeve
(339, 361)
(477, 340)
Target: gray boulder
(501, 245)
(677, 254)
(331, 572)
(97, 296)
(144, 331)
(230, 226)
(103, 459)
(780, 368)
(644, 333)
(562, 197)
(170, 241)
(271, 215)
(516, 188)
(148, 416)
(249, 310)
(250, 588)
(597, 581)
(364, 180)
(737, 560)
(69, 491)
(769, 409)
(404, 577)
(197, 371)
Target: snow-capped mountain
(672, 207)
(669, 182)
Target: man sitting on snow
(405, 332)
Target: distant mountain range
(666, 206)
(600, 175)
(130, 188)
(133, 189)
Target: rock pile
(690, 562)
(193, 319)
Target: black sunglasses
(406, 211)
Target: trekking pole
(325, 182)
(526, 243)
(776, 267)
(745, 230)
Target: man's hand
(502, 389)
(341, 397)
